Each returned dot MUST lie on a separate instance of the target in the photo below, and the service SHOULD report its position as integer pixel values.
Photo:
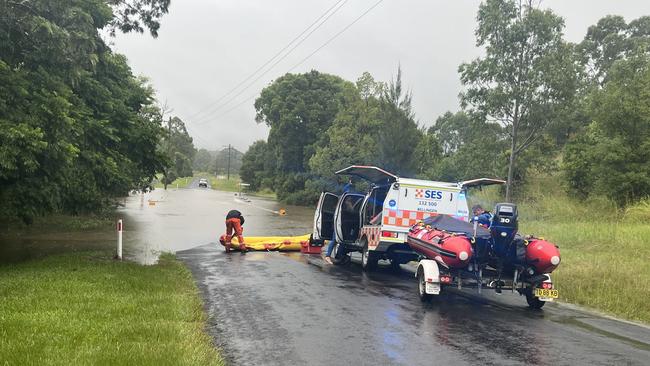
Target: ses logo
(428, 194)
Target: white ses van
(376, 223)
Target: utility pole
(169, 148)
(228, 161)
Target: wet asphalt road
(291, 309)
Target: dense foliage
(76, 126)
(526, 76)
(534, 102)
(220, 162)
(320, 124)
(178, 147)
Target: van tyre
(368, 259)
(422, 285)
(533, 302)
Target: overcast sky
(206, 48)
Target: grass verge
(232, 185)
(223, 184)
(604, 249)
(84, 308)
(266, 193)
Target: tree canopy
(76, 126)
(527, 74)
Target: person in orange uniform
(234, 222)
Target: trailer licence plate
(433, 288)
(546, 293)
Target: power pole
(169, 148)
(228, 161)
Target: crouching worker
(234, 222)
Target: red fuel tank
(542, 255)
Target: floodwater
(180, 219)
(162, 221)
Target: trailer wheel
(368, 259)
(533, 302)
(422, 285)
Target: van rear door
(324, 217)
(372, 174)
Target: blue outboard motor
(503, 230)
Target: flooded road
(178, 219)
(159, 221)
(290, 309)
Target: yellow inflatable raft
(283, 243)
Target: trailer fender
(429, 270)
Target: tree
(135, 15)
(255, 167)
(612, 159)
(470, 148)
(352, 138)
(369, 88)
(179, 148)
(298, 109)
(611, 40)
(398, 131)
(428, 154)
(203, 161)
(76, 123)
(375, 126)
(526, 76)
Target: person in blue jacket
(483, 217)
(328, 254)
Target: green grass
(81, 309)
(58, 221)
(605, 249)
(223, 184)
(604, 264)
(266, 193)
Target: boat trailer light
(547, 285)
(445, 279)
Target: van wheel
(368, 259)
(338, 257)
(422, 285)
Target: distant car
(203, 183)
